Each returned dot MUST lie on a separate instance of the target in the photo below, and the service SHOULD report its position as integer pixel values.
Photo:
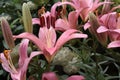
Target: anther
(6, 53)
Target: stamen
(42, 21)
(96, 12)
(53, 21)
(6, 53)
(48, 22)
(41, 11)
(0, 59)
(118, 14)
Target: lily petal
(72, 19)
(23, 52)
(49, 76)
(33, 38)
(68, 35)
(87, 25)
(76, 77)
(53, 8)
(5, 63)
(48, 36)
(106, 7)
(102, 29)
(114, 8)
(36, 21)
(24, 67)
(114, 44)
(71, 23)
(52, 76)
(97, 3)
(62, 25)
(109, 20)
(116, 30)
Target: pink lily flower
(47, 37)
(59, 24)
(106, 10)
(87, 6)
(93, 24)
(18, 73)
(52, 76)
(65, 23)
(114, 44)
(82, 8)
(46, 40)
(110, 24)
(52, 15)
(115, 34)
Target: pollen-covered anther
(6, 53)
(41, 11)
(118, 14)
(0, 61)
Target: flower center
(9, 60)
(45, 18)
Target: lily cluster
(102, 25)
(105, 26)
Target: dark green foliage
(96, 62)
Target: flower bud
(31, 5)
(27, 18)
(101, 37)
(7, 34)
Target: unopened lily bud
(40, 2)
(27, 18)
(101, 37)
(7, 34)
(31, 5)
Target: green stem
(96, 60)
(48, 67)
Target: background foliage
(96, 62)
